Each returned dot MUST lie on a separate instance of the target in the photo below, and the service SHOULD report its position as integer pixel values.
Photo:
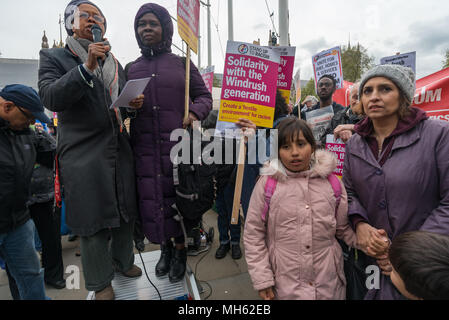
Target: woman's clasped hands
(375, 243)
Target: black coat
(18, 154)
(42, 187)
(342, 117)
(95, 159)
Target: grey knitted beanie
(403, 77)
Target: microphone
(98, 37)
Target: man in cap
(309, 102)
(342, 125)
(19, 151)
(96, 163)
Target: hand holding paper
(132, 94)
(137, 103)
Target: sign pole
(187, 100)
(239, 182)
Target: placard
(189, 22)
(208, 77)
(249, 84)
(286, 66)
(328, 63)
(338, 148)
(319, 121)
(405, 60)
(298, 87)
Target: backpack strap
(336, 186)
(270, 188)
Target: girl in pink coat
(295, 255)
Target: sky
(383, 27)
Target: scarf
(110, 68)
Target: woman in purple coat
(396, 170)
(161, 114)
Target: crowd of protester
(300, 221)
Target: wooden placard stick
(187, 100)
(239, 182)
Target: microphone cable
(146, 273)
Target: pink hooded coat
(297, 252)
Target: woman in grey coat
(396, 170)
(95, 158)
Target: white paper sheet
(132, 89)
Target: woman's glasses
(85, 15)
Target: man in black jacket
(327, 85)
(19, 151)
(44, 215)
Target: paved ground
(228, 278)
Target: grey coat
(95, 160)
(410, 192)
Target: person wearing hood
(161, 114)
(290, 239)
(396, 169)
(95, 158)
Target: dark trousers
(48, 225)
(228, 233)
(105, 251)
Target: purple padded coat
(162, 113)
(409, 192)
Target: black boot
(222, 251)
(163, 266)
(178, 265)
(236, 252)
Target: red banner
(342, 96)
(432, 95)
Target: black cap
(26, 98)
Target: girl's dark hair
(281, 108)
(422, 261)
(290, 128)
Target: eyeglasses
(85, 15)
(28, 116)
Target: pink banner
(286, 66)
(208, 77)
(249, 84)
(339, 149)
(189, 22)
(250, 79)
(286, 73)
